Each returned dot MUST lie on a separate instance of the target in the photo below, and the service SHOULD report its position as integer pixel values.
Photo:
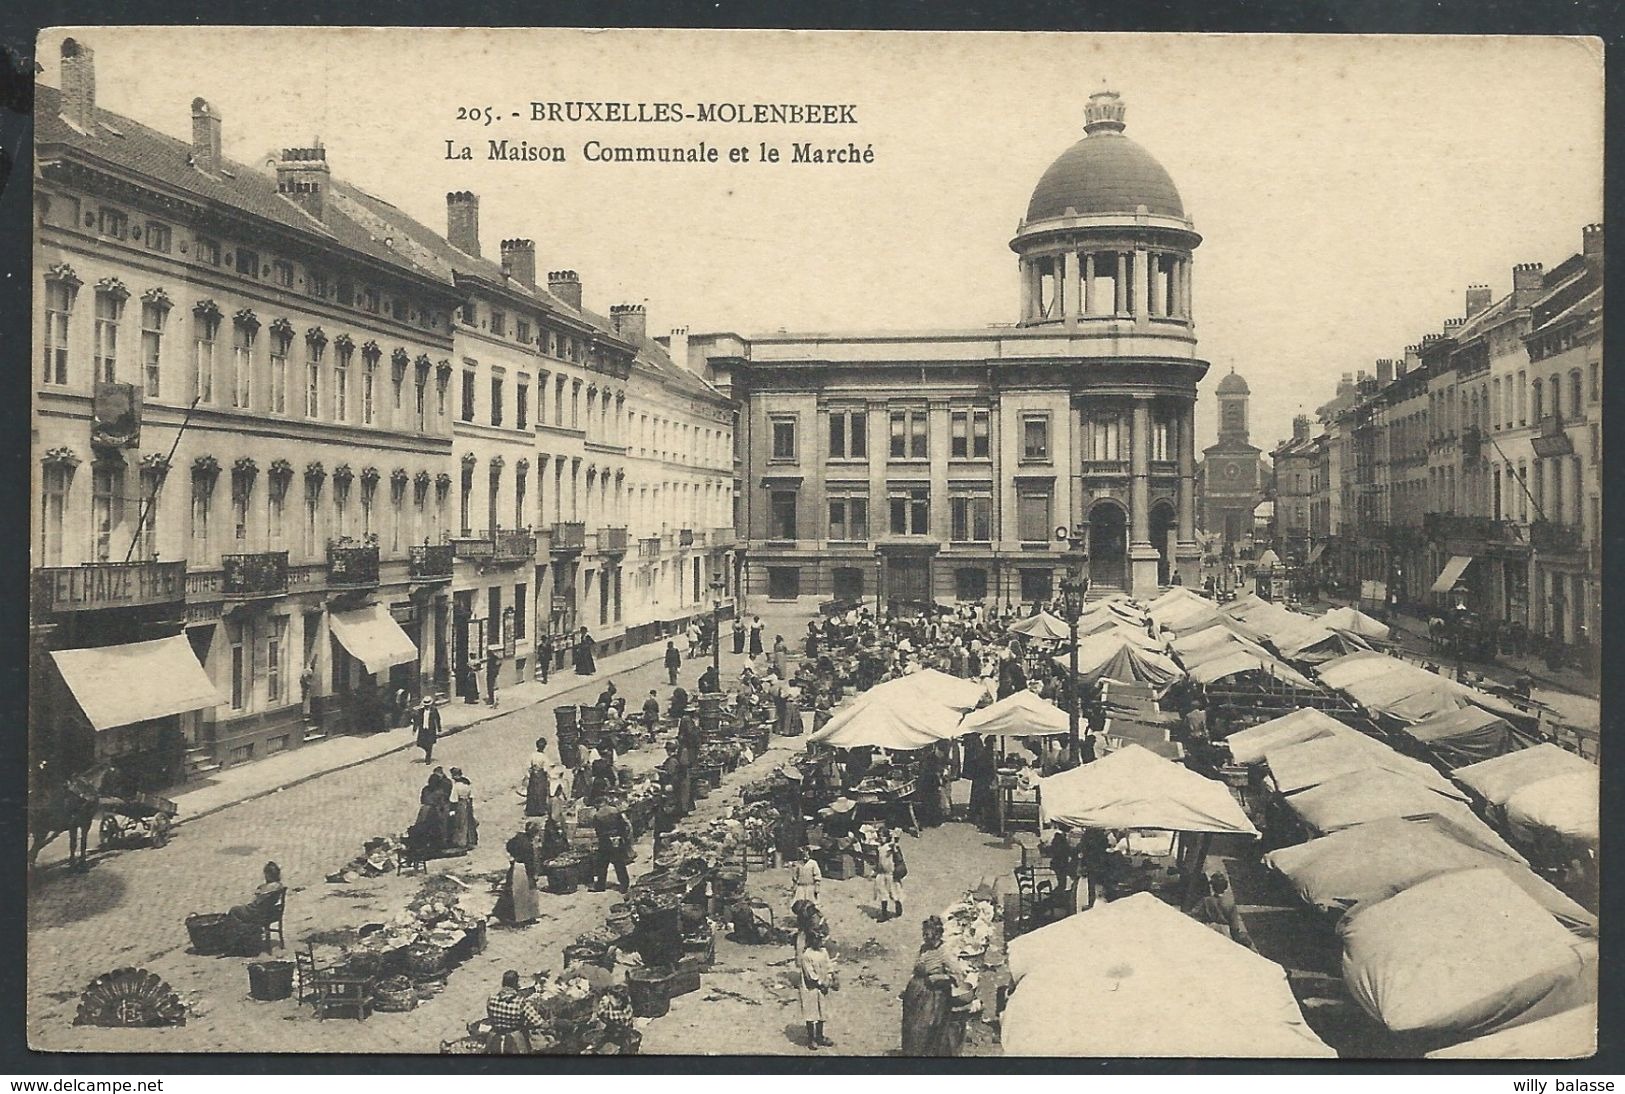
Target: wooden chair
(274, 927)
(306, 973)
(411, 860)
(1037, 899)
(342, 995)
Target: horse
(68, 806)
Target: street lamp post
(879, 556)
(1074, 587)
(718, 585)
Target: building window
(848, 519)
(248, 262)
(106, 509)
(496, 400)
(207, 329)
(242, 364)
(1596, 381)
(316, 283)
(1036, 586)
(970, 583)
(521, 330)
(420, 396)
(341, 381)
(521, 414)
(153, 317)
(53, 512)
(1537, 402)
(280, 343)
(158, 237)
(313, 515)
(519, 599)
(1576, 394)
(202, 501)
(465, 501)
(1577, 489)
(207, 250)
(276, 498)
(152, 480)
(521, 480)
(968, 435)
(910, 512)
(242, 488)
(112, 222)
(783, 514)
(468, 395)
(369, 388)
(59, 297)
(1522, 387)
(970, 518)
(1035, 438)
(282, 273)
(341, 506)
(1161, 439)
(109, 310)
(1033, 516)
(276, 652)
(499, 323)
(784, 438)
(908, 433)
(240, 666)
(848, 434)
(1538, 487)
(1106, 439)
(313, 377)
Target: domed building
(942, 465)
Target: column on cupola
(1120, 305)
(1086, 298)
(1024, 275)
(1142, 285)
(1068, 286)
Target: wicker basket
(463, 1046)
(429, 988)
(396, 998)
(425, 961)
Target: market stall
(1107, 656)
(1353, 620)
(1496, 780)
(1137, 977)
(1248, 746)
(1359, 866)
(1566, 1036)
(1305, 764)
(1461, 955)
(1043, 625)
(1373, 794)
(1458, 738)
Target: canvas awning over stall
(1363, 796)
(1458, 738)
(1497, 780)
(1043, 625)
(1306, 764)
(1137, 977)
(1451, 573)
(1248, 746)
(1566, 1036)
(898, 722)
(1132, 788)
(373, 637)
(136, 682)
(1021, 714)
(1109, 656)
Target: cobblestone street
(131, 906)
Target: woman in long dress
(516, 906)
(755, 636)
(465, 829)
(538, 781)
(428, 832)
(932, 1025)
(739, 636)
(888, 888)
(585, 664)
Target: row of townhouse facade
(1470, 469)
(295, 453)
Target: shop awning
(1314, 553)
(122, 685)
(1452, 573)
(373, 637)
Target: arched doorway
(1162, 538)
(1108, 544)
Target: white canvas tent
(1497, 780)
(1021, 714)
(1248, 746)
(894, 723)
(1299, 766)
(1043, 625)
(1133, 788)
(1110, 656)
(1240, 661)
(1354, 620)
(1566, 1036)
(1137, 977)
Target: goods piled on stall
(379, 855)
(553, 1016)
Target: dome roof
(1233, 384)
(1105, 172)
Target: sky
(1347, 188)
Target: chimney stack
(78, 85)
(1451, 326)
(1591, 246)
(463, 221)
(519, 261)
(630, 322)
(1526, 283)
(1412, 358)
(205, 137)
(302, 176)
(1346, 384)
(1385, 370)
(1300, 428)
(677, 345)
(1478, 298)
(565, 285)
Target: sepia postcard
(814, 544)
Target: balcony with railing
(254, 576)
(430, 561)
(1105, 467)
(514, 545)
(1551, 537)
(1553, 438)
(352, 565)
(685, 537)
(1454, 528)
(649, 547)
(612, 541)
(569, 535)
(723, 537)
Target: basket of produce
(589, 952)
(564, 873)
(396, 995)
(728, 883)
(621, 923)
(361, 964)
(430, 987)
(212, 933)
(425, 960)
(700, 949)
(463, 1046)
(682, 982)
(648, 988)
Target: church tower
(1232, 396)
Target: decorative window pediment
(523, 465)
(316, 336)
(158, 298)
(280, 469)
(369, 477)
(342, 473)
(61, 457)
(469, 459)
(422, 480)
(247, 320)
(113, 287)
(371, 351)
(245, 466)
(315, 470)
(344, 344)
(63, 273)
(207, 309)
(282, 328)
(205, 467)
(442, 482)
(496, 463)
(156, 462)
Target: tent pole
(1197, 868)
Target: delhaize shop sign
(108, 585)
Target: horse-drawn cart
(137, 821)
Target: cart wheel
(109, 832)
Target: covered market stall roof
(1305, 764)
(1317, 644)
(1497, 780)
(1565, 806)
(1136, 977)
(899, 722)
(136, 682)
(1043, 625)
(1463, 954)
(1354, 620)
(1108, 656)
(1406, 692)
(1020, 714)
(1370, 862)
(1248, 746)
(1240, 661)
(1566, 1036)
(1363, 796)
(1458, 738)
(1133, 788)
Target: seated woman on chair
(266, 906)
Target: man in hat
(493, 665)
(614, 843)
(651, 712)
(673, 662)
(426, 726)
